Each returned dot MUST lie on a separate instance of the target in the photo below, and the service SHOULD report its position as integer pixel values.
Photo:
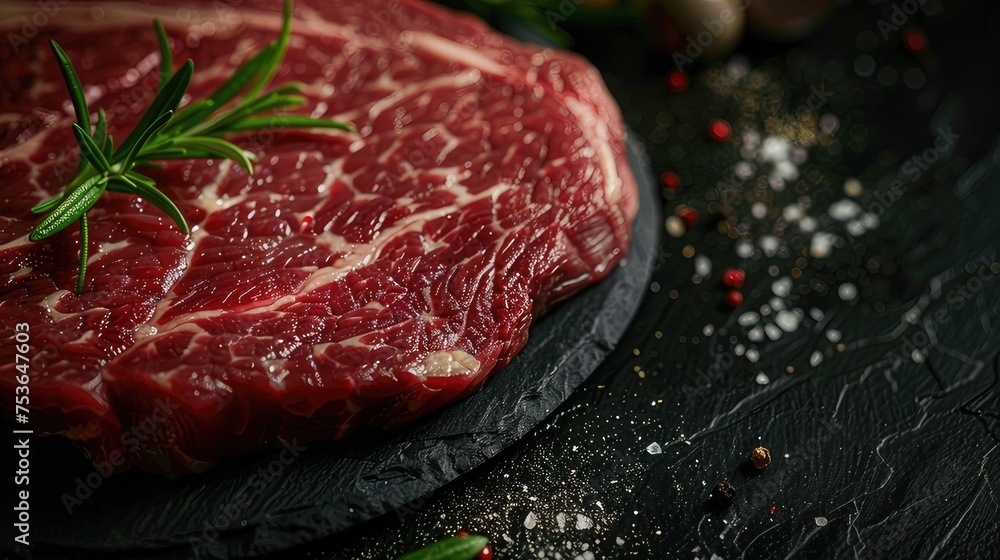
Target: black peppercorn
(722, 495)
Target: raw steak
(355, 281)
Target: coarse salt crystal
(769, 244)
(847, 291)
(782, 287)
(816, 358)
(748, 319)
(844, 210)
(788, 320)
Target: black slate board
(331, 487)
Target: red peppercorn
(461, 534)
(733, 278)
(734, 298)
(914, 40)
(677, 80)
(719, 130)
(670, 180)
(485, 554)
(688, 215)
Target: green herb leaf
(166, 58)
(167, 100)
(278, 122)
(49, 204)
(294, 87)
(452, 548)
(200, 110)
(242, 77)
(90, 150)
(217, 147)
(163, 152)
(271, 66)
(71, 208)
(84, 253)
(129, 185)
(73, 84)
(122, 185)
(141, 141)
(270, 101)
(101, 132)
(137, 177)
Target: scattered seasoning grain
(719, 130)
(722, 495)
(734, 298)
(670, 180)
(688, 215)
(733, 278)
(852, 187)
(677, 81)
(760, 457)
(914, 40)
(675, 226)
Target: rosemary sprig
(166, 133)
